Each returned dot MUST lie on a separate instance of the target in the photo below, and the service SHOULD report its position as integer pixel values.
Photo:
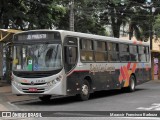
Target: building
(156, 57)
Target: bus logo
(32, 83)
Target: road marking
(3, 108)
(14, 106)
(140, 118)
(154, 106)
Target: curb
(6, 94)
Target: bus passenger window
(147, 54)
(133, 53)
(86, 50)
(124, 52)
(141, 54)
(113, 56)
(86, 55)
(100, 51)
(113, 51)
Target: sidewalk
(6, 93)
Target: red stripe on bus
(77, 71)
(89, 70)
(122, 73)
(134, 67)
(126, 72)
(128, 66)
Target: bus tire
(132, 84)
(85, 91)
(45, 98)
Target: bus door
(70, 61)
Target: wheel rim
(132, 84)
(85, 89)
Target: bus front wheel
(85, 91)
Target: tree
(86, 17)
(11, 14)
(113, 12)
(29, 14)
(43, 14)
(156, 26)
(131, 12)
(139, 24)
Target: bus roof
(91, 36)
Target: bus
(51, 63)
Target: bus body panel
(28, 85)
(103, 79)
(103, 75)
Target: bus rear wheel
(45, 98)
(85, 91)
(132, 84)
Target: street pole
(151, 29)
(150, 36)
(152, 10)
(71, 18)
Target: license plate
(32, 89)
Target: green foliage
(156, 26)
(91, 16)
(86, 18)
(29, 14)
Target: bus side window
(113, 51)
(141, 54)
(133, 53)
(100, 51)
(86, 50)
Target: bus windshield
(37, 57)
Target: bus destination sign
(36, 36)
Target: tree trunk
(116, 27)
(1, 21)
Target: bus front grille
(38, 90)
(32, 83)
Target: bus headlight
(58, 79)
(16, 83)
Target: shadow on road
(73, 99)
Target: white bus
(57, 62)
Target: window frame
(133, 53)
(128, 52)
(140, 53)
(87, 50)
(105, 51)
(113, 52)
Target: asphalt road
(145, 98)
